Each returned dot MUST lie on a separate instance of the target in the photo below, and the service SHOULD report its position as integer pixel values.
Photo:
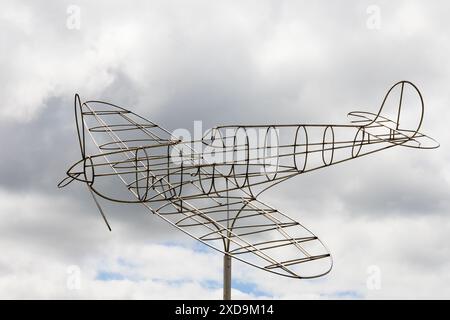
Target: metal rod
(226, 277)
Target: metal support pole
(226, 277)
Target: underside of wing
(252, 232)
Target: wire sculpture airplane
(212, 194)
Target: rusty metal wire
(212, 194)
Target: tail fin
(402, 109)
(403, 105)
(401, 113)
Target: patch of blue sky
(109, 276)
(172, 282)
(249, 288)
(347, 294)
(211, 284)
(202, 248)
(126, 263)
(104, 275)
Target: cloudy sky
(385, 218)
